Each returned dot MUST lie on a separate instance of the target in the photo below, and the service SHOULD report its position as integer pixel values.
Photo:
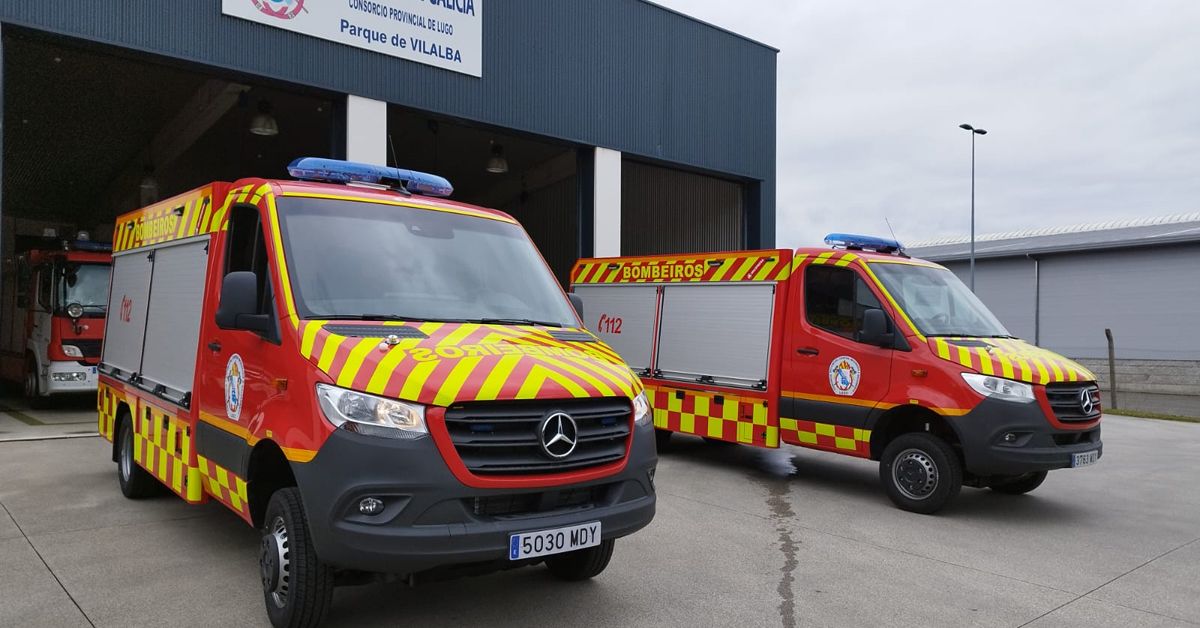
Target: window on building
(836, 298)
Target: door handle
(214, 346)
(808, 351)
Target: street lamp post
(974, 131)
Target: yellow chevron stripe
(310, 337)
(594, 381)
(449, 389)
(329, 351)
(416, 380)
(496, 379)
(383, 371)
(355, 359)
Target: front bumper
(431, 520)
(71, 377)
(1039, 446)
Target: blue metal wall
(621, 74)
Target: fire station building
(604, 127)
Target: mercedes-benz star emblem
(559, 434)
(1087, 401)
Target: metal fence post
(1112, 369)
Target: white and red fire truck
(859, 350)
(55, 321)
(379, 382)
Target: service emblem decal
(282, 9)
(235, 385)
(844, 375)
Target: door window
(246, 250)
(836, 298)
(45, 289)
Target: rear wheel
(1018, 484)
(920, 472)
(135, 482)
(297, 586)
(582, 564)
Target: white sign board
(443, 33)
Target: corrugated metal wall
(621, 74)
(1148, 296)
(671, 211)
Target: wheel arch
(268, 470)
(905, 419)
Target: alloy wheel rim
(126, 454)
(915, 474)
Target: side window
(246, 250)
(835, 299)
(44, 287)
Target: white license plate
(1084, 459)
(556, 541)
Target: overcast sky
(1092, 110)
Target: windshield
(359, 259)
(85, 284)
(937, 302)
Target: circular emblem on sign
(282, 9)
(844, 375)
(235, 385)
(559, 435)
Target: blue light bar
(338, 171)
(863, 243)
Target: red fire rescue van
(379, 382)
(55, 320)
(860, 350)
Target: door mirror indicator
(874, 329)
(239, 304)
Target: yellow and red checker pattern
(838, 438)
(225, 487)
(162, 445)
(773, 265)
(108, 400)
(737, 419)
(1011, 359)
(469, 362)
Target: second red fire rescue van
(859, 350)
(379, 382)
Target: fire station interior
(92, 132)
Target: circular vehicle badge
(282, 9)
(235, 384)
(844, 375)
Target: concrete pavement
(743, 537)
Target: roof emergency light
(400, 179)
(852, 242)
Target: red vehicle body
(857, 352)
(268, 355)
(60, 306)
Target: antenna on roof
(889, 224)
(392, 147)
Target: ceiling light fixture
(264, 123)
(497, 164)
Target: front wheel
(582, 564)
(1018, 484)
(920, 472)
(297, 586)
(33, 386)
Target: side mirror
(874, 329)
(239, 304)
(577, 303)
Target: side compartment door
(624, 317)
(832, 382)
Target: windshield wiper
(380, 317)
(514, 321)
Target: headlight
(75, 310)
(641, 409)
(368, 414)
(72, 351)
(999, 388)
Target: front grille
(535, 503)
(1065, 400)
(89, 348)
(503, 437)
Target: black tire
(920, 472)
(1018, 484)
(136, 482)
(718, 442)
(297, 586)
(662, 439)
(33, 387)
(582, 564)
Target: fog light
(72, 376)
(370, 506)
